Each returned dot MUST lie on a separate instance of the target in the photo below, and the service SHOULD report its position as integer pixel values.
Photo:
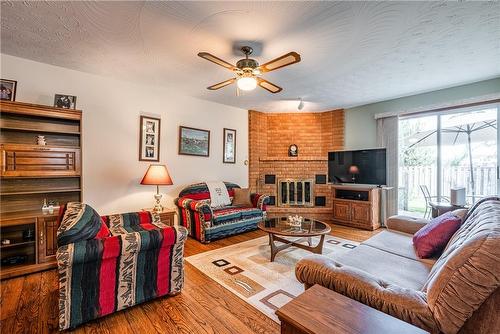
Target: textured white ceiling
(352, 52)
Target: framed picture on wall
(229, 149)
(8, 90)
(194, 141)
(149, 141)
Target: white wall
(111, 110)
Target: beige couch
(457, 292)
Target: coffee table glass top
(282, 226)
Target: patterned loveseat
(109, 263)
(206, 224)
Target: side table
(167, 215)
(438, 208)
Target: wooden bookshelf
(30, 173)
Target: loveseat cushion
(124, 223)
(232, 214)
(405, 224)
(396, 269)
(199, 191)
(399, 244)
(406, 304)
(79, 222)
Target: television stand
(357, 205)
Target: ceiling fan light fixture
(247, 83)
(248, 71)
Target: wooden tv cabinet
(357, 206)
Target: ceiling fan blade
(222, 84)
(216, 60)
(268, 86)
(285, 60)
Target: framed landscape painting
(229, 149)
(194, 141)
(149, 141)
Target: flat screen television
(361, 166)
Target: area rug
(245, 270)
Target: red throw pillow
(433, 237)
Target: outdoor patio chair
(430, 201)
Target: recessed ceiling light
(301, 105)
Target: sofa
(456, 292)
(205, 223)
(110, 263)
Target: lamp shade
(157, 175)
(353, 169)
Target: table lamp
(353, 170)
(157, 175)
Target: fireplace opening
(295, 192)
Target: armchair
(110, 263)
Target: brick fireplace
(315, 134)
(295, 192)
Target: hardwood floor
(28, 304)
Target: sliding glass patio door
(469, 153)
(453, 149)
(418, 162)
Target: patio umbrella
(463, 125)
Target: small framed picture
(149, 141)
(8, 90)
(194, 141)
(65, 101)
(229, 149)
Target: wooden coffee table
(280, 227)
(319, 310)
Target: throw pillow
(80, 222)
(460, 213)
(242, 197)
(433, 237)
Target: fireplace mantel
(293, 159)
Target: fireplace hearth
(295, 192)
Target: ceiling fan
(248, 71)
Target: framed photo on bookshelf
(149, 141)
(8, 89)
(65, 101)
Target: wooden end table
(280, 226)
(167, 216)
(438, 208)
(320, 310)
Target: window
(452, 149)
